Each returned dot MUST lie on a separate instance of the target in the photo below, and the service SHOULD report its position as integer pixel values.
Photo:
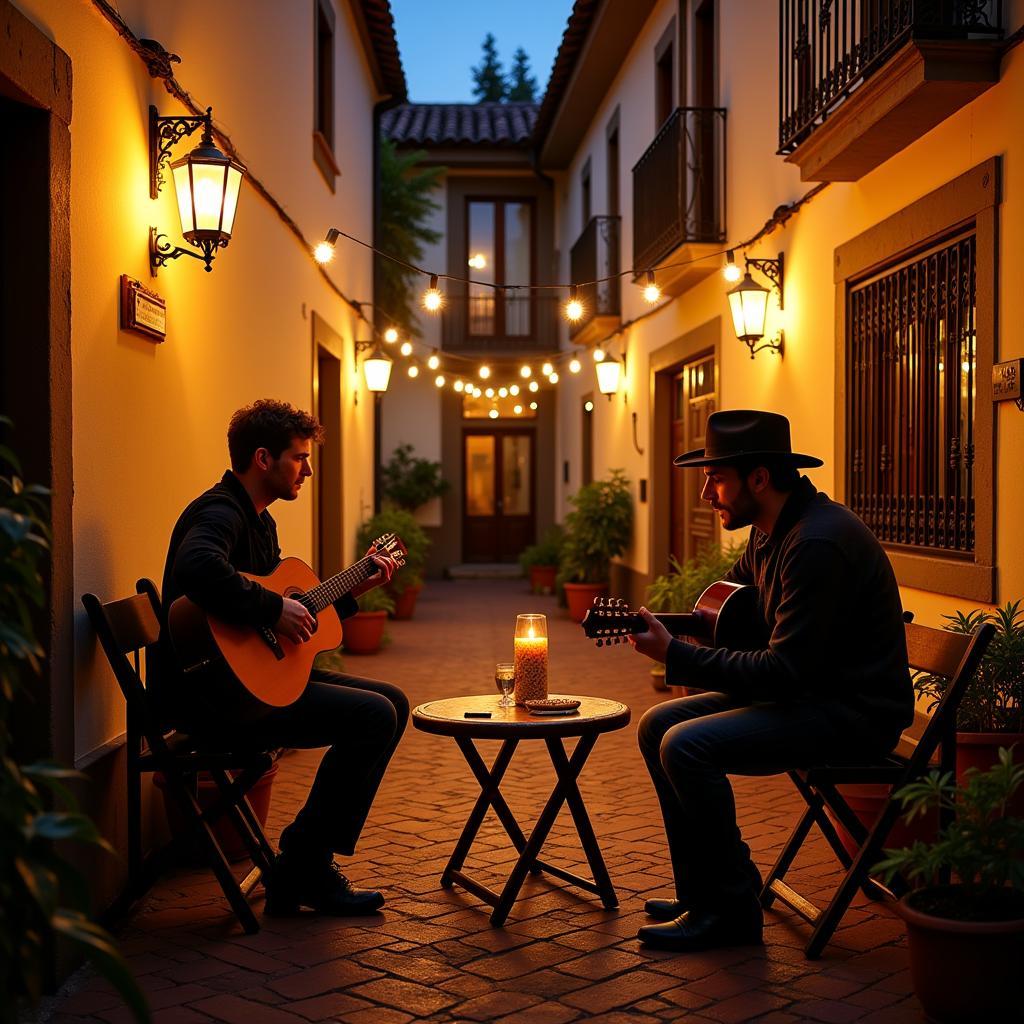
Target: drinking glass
(505, 681)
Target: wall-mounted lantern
(748, 303)
(608, 373)
(206, 184)
(376, 368)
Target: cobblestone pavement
(560, 957)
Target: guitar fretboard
(320, 596)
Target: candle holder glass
(531, 657)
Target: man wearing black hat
(832, 682)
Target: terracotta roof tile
(460, 124)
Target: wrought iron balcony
(830, 51)
(679, 187)
(596, 255)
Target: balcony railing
(596, 255)
(500, 321)
(827, 48)
(679, 186)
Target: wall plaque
(1006, 381)
(142, 311)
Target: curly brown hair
(268, 424)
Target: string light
(547, 369)
(730, 271)
(477, 261)
(434, 362)
(574, 365)
(598, 355)
(517, 409)
(533, 405)
(459, 385)
(484, 371)
(503, 392)
(514, 390)
(414, 370)
(406, 348)
(651, 290)
(489, 392)
(493, 414)
(433, 300)
(439, 380)
(553, 377)
(323, 253)
(534, 386)
(391, 335)
(574, 308)
(525, 372)
(588, 406)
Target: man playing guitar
(831, 683)
(225, 532)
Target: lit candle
(531, 658)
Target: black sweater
(829, 596)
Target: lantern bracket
(162, 252)
(774, 271)
(164, 134)
(775, 345)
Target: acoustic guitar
(240, 661)
(725, 615)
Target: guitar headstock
(609, 620)
(390, 544)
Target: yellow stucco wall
(150, 420)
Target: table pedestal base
(566, 791)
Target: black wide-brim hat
(746, 433)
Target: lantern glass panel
(608, 376)
(231, 198)
(377, 373)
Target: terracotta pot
(405, 602)
(207, 793)
(964, 970)
(580, 596)
(981, 750)
(866, 800)
(542, 578)
(362, 633)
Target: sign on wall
(142, 311)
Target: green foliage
(547, 552)
(678, 590)
(409, 481)
(982, 844)
(41, 895)
(406, 206)
(376, 600)
(521, 85)
(599, 527)
(489, 83)
(994, 700)
(392, 519)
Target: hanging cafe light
(433, 300)
(574, 307)
(390, 335)
(730, 271)
(652, 293)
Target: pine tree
(406, 196)
(521, 85)
(490, 83)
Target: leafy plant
(376, 600)
(409, 481)
(994, 700)
(678, 590)
(42, 897)
(982, 844)
(547, 551)
(392, 519)
(406, 207)
(599, 527)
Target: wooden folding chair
(939, 652)
(127, 627)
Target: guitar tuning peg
(600, 642)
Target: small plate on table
(552, 706)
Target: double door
(498, 475)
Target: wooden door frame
(325, 338)
(665, 362)
(498, 432)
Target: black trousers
(691, 744)
(361, 722)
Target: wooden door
(498, 516)
(694, 398)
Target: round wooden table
(511, 725)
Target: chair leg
(235, 805)
(133, 813)
(786, 857)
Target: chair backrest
(124, 627)
(955, 656)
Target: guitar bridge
(268, 636)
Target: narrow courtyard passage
(432, 953)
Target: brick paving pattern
(432, 955)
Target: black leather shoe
(323, 888)
(665, 910)
(705, 929)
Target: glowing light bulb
(547, 369)
(533, 405)
(459, 385)
(323, 252)
(439, 380)
(574, 366)
(517, 409)
(588, 405)
(651, 290)
(573, 308)
(730, 271)
(503, 392)
(534, 386)
(433, 300)
(553, 377)
(406, 348)
(477, 261)
(493, 414)
(598, 355)
(514, 390)
(433, 362)
(391, 335)
(484, 371)
(525, 372)
(414, 370)
(489, 392)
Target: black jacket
(829, 596)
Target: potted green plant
(408, 581)
(363, 633)
(540, 561)
(44, 899)
(991, 713)
(410, 482)
(599, 527)
(966, 939)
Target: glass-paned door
(498, 494)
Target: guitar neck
(319, 597)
